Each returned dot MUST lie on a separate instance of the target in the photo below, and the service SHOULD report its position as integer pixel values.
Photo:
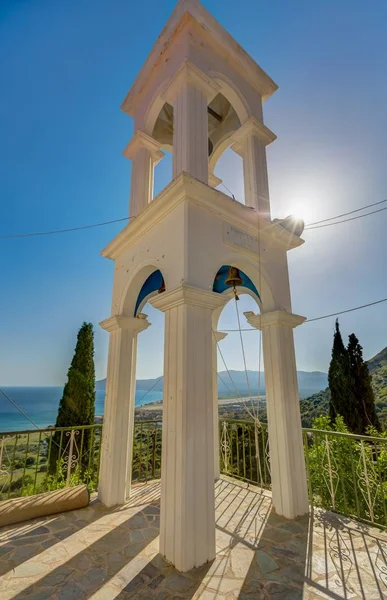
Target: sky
(65, 68)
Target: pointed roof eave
(193, 11)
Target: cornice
(190, 295)
(186, 188)
(188, 72)
(142, 140)
(252, 127)
(277, 317)
(122, 322)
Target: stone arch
(220, 287)
(249, 265)
(132, 300)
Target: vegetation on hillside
(318, 404)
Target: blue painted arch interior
(152, 284)
(220, 285)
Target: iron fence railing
(244, 451)
(146, 463)
(346, 473)
(45, 459)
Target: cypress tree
(340, 402)
(77, 404)
(364, 400)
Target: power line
(314, 225)
(346, 220)
(347, 213)
(150, 389)
(335, 314)
(24, 235)
(18, 408)
(346, 311)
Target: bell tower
(197, 94)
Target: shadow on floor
(260, 556)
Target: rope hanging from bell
(233, 279)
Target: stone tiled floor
(99, 554)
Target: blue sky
(65, 69)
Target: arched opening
(240, 362)
(154, 284)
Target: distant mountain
(308, 383)
(318, 404)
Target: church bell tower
(198, 94)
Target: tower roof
(192, 12)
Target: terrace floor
(102, 554)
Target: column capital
(192, 296)
(116, 322)
(213, 180)
(190, 73)
(219, 335)
(252, 127)
(277, 317)
(142, 140)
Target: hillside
(308, 383)
(317, 404)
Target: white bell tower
(197, 94)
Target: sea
(40, 404)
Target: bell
(161, 288)
(233, 277)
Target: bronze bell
(161, 288)
(234, 279)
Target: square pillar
(287, 461)
(187, 519)
(250, 142)
(118, 423)
(144, 153)
(190, 91)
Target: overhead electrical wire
(351, 212)
(313, 225)
(307, 228)
(335, 314)
(37, 233)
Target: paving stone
(261, 556)
(178, 583)
(58, 576)
(71, 591)
(280, 591)
(293, 527)
(266, 563)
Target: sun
(302, 209)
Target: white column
(287, 462)
(217, 336)
(145, 153)
(190, 92)
(187, 520)
(250, 142)
(118, 422)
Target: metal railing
(244, 451)
(40, 460)
(146, 462)
(346, 473)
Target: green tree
(77, 404)
(341, 399)
(364, 400)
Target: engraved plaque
(239, 238)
